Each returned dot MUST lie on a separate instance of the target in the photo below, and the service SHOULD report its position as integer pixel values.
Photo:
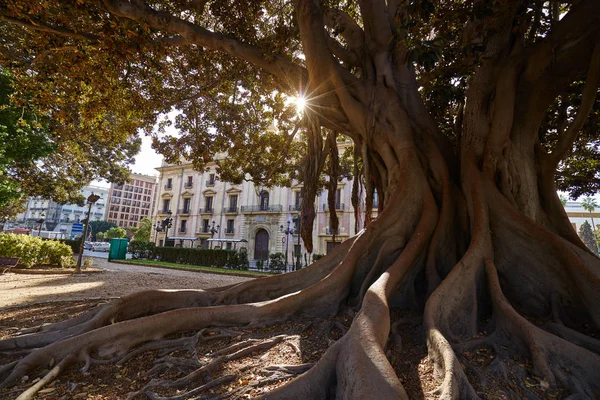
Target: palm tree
(589, 204)
(563, 199)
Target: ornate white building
(202, 207)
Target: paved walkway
(117, 280)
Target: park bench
(7, 263)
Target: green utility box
(118, 249)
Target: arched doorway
(261, 245)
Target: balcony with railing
(168, 187)
(262, 208)
(338, 207)
(182, 230)
(164, 211)
(211, 182)
(204, 230)
(207, 210)
(229, 231)
(188, 185)
(294, 207)
(183, 211)
(230, 210)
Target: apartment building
(59, 218)
(202, 207)
(129, 203)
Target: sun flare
(300, 104)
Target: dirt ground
(116, 281)
(29, 300)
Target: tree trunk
(473, 241)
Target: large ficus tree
(461, 114)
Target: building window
(264, 200)
(166, 205)
(233, 200)
(190, 182)
(169, 184)
(211, 180)
(186, 206)
(205, 223)
(298, 199)
(208, 204)
(183, 227)
(230, 226)
(338, 199)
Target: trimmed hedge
(203, 257)
(141, 250)
(35, 251)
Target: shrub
(315, 257)
(141, 250)
(73, 244)
(88, 262)
(238, 260)
(35, 251)
(276, 262)
(206, 257)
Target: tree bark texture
(472, 236)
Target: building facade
(245, 215)
(129, 203)
(58, 219)
(578, 215)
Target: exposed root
(553, 358)
(50, 376)
(219, 358)
(214, 383)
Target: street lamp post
(40, 221)
(297, 229)
(213, 231)
(92, 198)
(167, 223)
(287, 232)
(158, 228)
(163, 226)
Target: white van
(101, 246)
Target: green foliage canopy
(44, 154)
(101, 227)
(115, 233)
(101, 71)
(587, 237)
(143, 230)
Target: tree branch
(347, 27)
(343, 54)
(561, 51)
(565, 142)
(293, 75)
(378, 38)
(43, 27)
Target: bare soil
(38, 299)
(305, 342)
(117, 280)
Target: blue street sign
(77, 228)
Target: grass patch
(225, 271)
